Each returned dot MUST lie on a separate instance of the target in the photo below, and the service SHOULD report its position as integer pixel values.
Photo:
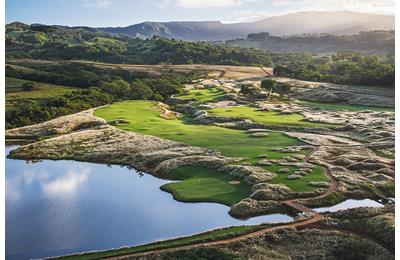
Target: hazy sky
(126, 12)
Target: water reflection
(67, 184)
(61, 207)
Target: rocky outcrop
(250, 207)
(266, 191)
(251, 174)
(113, 146)
(61, 125)
(84, 137)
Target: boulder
(342, 161)
(283, 170)
(259, 134)
(294, 177)
(249, 207)
(321, 184)
(251, 174)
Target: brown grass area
(224, 71)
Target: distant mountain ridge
(338, 23)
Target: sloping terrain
(295, 23)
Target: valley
(257, 155)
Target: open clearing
(42, 91)
(212, 70)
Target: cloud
(97, 3)
(364, 6)
(210, 3)
(247, 16)
(67, 184)
(30, 176)
(16, 183)
(13, 188)
(197, 4)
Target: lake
(63, 207)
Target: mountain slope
(296, 23)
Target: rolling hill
(338, 23)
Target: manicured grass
(143, 117)
(212, 235)
(337, 107)
(298, 185)
(42, 91)
(205, 184)
(201, 96)
(265, 117)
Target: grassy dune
(337, 107)
(265, 117)
(143, 117)
(298, 185)
(199, 184)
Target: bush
(28, 86)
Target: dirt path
(313, 218)
(269, 73)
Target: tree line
(98, 87)
(342, 68)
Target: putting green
(204, 184)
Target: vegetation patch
(212, 235)
(298, 185)
(143, 117)
(348, 107)
(203, 184)
(41, 91)
(265, 117)
(201, 96)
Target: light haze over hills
(342, 22)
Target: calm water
(62, 207)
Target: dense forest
(55, 42)
(98, 87)
(379, 43)
(83, 43)
(342, 68)
(101, 86)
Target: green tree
(249, 90)
(282, 89)
(268, 85)
(28, 86)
